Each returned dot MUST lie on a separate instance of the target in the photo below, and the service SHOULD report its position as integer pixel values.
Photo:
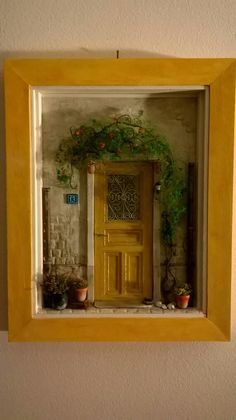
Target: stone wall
(61, 249)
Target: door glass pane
(123, 198)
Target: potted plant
(55, 287)
(182, 295)
(81, 288)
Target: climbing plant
(123, 137)
(128, 137)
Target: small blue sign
(72, 198)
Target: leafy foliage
(125, 137)
(185, 290)
(55, 283)
(173, 204)
(80, 283)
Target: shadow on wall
(82, 53)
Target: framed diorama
(119, 198)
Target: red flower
(141, 130)
(102, 145)
(78, 132)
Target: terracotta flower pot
(182, 301)
(81, 294)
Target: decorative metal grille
(123, 199)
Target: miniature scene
(119, 203)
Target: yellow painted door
(123, 231)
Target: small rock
(158, 304)
(163, 306)
(170, 306)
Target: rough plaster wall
(130, 381)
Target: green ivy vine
(128, 137)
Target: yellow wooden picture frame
(20, 76)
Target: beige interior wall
(129, 381)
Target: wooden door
(123, 231)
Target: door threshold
(122, 304)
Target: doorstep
(120, 305)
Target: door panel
(123, 231)
(112, 274)
(133, 264)
(123, 237)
